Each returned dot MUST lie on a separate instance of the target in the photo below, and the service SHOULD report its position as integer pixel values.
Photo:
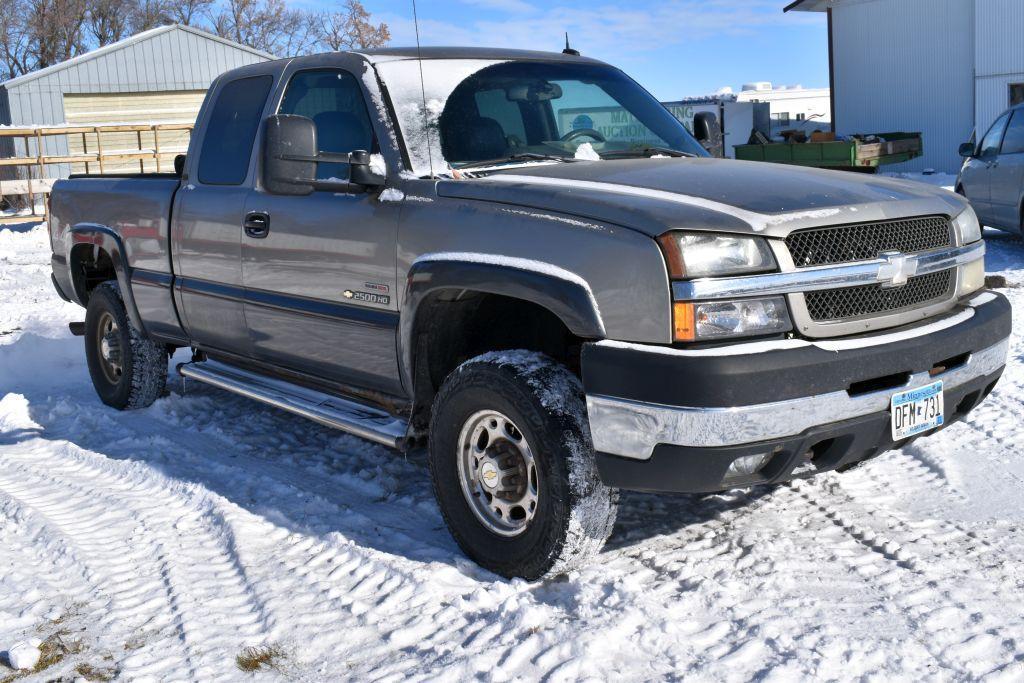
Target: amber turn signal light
(684, 328)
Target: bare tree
(148, 14)
(188, 12)
(15, 43)
(109, 20)
(351, 29)
(267, 25)
(54, 31)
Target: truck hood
(657, 195)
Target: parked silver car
(992, 176)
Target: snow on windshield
(440, 77)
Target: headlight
(724, 319)
(967, 226)
(706, 254)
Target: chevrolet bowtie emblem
(897, 269)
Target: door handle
(257, 224)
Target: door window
(1013, 141)
(334, 101)
(994, 137)
(227, 143)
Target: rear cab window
(231, 131)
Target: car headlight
(967, 226)
(714, 320)
(706, 254)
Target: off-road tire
(143, 362)
(575, 511)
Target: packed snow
(208, 532)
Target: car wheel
(128, 370)
(513, 466)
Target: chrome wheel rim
(498, 473)
(108, 343)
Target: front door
(976, 176)
(207, 218)
(1008, 176)
(320, 278)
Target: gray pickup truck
(525, 261)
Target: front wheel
(513, 466)
(128, 370)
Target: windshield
(480, 111)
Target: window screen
(1016, 94)
(335, 102)
(1013, 142)
(227, 143)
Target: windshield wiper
(648, 152)
(521, 156)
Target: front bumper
(671, 420)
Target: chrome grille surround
(865, 241)
(847, 310)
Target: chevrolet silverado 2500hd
(525, 260)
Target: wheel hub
(108, 342)
(498, 473)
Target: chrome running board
(356, 419)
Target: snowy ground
(160, 544)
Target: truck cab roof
(392, 53)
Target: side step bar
(362, 421)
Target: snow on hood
(409, 93)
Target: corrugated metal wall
(907, 65)
(999, 56)
(163, 59)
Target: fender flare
(563, 293)
(101, 237)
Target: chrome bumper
(632, 429)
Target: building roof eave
(807, 6)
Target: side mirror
(290, 156)
(967, 149)
(709, 133)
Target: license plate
(916, 411)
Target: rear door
(976, 176)
(320, 280)
(208, 214)
(1007, 177)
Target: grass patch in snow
(93, 673)
(255, 658)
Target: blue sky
(675, 48)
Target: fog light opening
(748, 465)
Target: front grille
(854, 302)
(847, 243)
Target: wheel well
(453, 326)
(90, 266)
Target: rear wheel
(513, 466)
(128, 370)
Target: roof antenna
(423, 89)
(568, 50)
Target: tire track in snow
(913, 566)
(133, 557)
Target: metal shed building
(157, 76)
(942, 67)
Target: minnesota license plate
(916, 411)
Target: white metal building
(157, 76)
(942, 67)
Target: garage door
(179, 106)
